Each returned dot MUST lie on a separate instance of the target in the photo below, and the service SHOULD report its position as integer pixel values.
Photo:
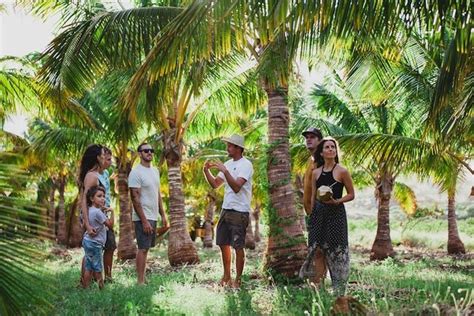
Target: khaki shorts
(232, 228)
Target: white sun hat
(235, 140)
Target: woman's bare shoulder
(317, 172)
(91, 179)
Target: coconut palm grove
(238, 157)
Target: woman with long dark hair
(327, 227)
(91, 165)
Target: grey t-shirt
(97, 219)
(148, 180)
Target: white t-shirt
(148, 180)
(240, 201)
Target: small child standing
(93, 245)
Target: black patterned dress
(327, 229)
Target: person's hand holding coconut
(324, 194)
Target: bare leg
(98, 278)
(108, 260)
(226, 259)
(83, 267)
(320, 267)
(141, 264)
(239, 266)
(86, 280)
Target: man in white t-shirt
(236, 175)
(144, 184)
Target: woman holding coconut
(327, 227)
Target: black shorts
(145, 241)
(232, 228)
(110, 243)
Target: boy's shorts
(145, 241)
(93, 255)
(232, 228)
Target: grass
(417, 281)
(427, 232)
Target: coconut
(324, 193)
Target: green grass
(417, 281)
(427, 232)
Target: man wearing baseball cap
(236, 175)
(313, 137)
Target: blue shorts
(93, 255)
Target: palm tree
(361, 111)
(273, 32)
(170, 117)
(407, 83)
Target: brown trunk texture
(299, 194)
(75, 230)
(208, 235)
(455, 245)
(126, 248)
(62, 233)
(286, 247)
(382, 247)
(52, 213)
(181, 249)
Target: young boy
(93, 245)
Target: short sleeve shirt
(239, 201)
(148, 180)
(97, 219)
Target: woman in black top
(327, 227)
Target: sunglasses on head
(147, 151)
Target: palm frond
(24, 285)
(109, 40)
(406, 198)
(395, 152)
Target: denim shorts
(93, 255)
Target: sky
(21, 34)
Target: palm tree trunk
(286, 248)
(181, 249)
(126, 248)
(382, 246)
(62, 234)
(75, 230)
(249, 237)
(299, 194)
(256, 219)
(52, 212)
(455, 245)
(208, 235)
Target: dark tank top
(326, 178)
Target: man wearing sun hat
(312, 138)
(236, 175)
